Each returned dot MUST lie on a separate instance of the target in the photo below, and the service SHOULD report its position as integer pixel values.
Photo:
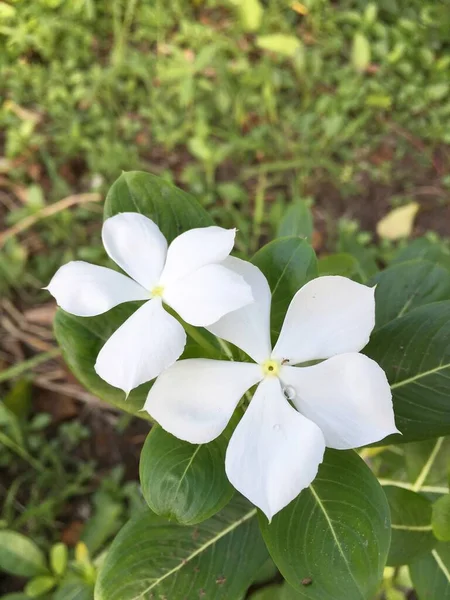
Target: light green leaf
(407, 285)
(216, 559)
(431, 574)
(20, 556)
(250, 14)
(182, 481)
(288, 263)
(335, 536)
(74, 590)
(441, 518)
(58, 558)
(338, 264)
(297, 221)
(412, 535)
(104, 523)
(287, 45)
(173, 210)
(414, 351)
(40, 585)
(361, 53)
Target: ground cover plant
(312, 120)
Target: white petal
(274, 452)
(147, 343)
(87, 290)
(195, 398)
(347, 396)
(207, 294)
(196, 248)
(327, 316)
(249, 327)
(137, 245)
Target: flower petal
(207, 294)
(195, 398)
(347, 396)
(274, 452)
(327, 316)
(136, 244)
(196, 248)
(249, 327)
(87, 290)
(147, 343)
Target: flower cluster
(314, 388)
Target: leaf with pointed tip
(335, 535)
(153, 558)
(414, 351)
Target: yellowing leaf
(299, 8)
(250, 14)
(398, 223)
(279, 43)
(361, 52)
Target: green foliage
(20, 556)
(441, 518)
(336, 533)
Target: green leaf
(411, 525)
(414, 351)
(58, 558)
(173, 210)
(288, 263)
(250, 14)
(287, 45)
(297, 221)
(424, 249)
(336, 533)
(104, 523)
(405, 286)
(441, 518)
(40, 585)
(20, 556)
(361, 53)
(182, 481)
(431, 574)
(216, 559)
(74, 590)
(338, 264)
(271, 592)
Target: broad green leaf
(427, 463)
(271, 592)
(20, 556)
(74, 590)
(297, 220)
(399, 222)
(407, 285)
(173, 210)
(361, 53)
(424, 249)
(412, 535)
(182, 481)
(441, 518)
(338, 264)
(152, 558)
(414, 351)
(336, 533)
(288, 263)
(280, 43)
(431, 574)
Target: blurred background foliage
(317, 118)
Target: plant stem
(27, 365)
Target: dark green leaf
(173, 210)
(182, 481)
(441, 518)
(405, 286)
(288, 263)
(425, 249)
(297, 221)
(20, 556)
(152, 558)
(414, 351)
(104, 523)
(411, 525)
(336, 533)
(338, 264)
(271, 592)
(431, 574)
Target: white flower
(343, 402)
(184, 276)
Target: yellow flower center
(271, 368)
(157, 291)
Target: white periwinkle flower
(343, 402)
(184, 276)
